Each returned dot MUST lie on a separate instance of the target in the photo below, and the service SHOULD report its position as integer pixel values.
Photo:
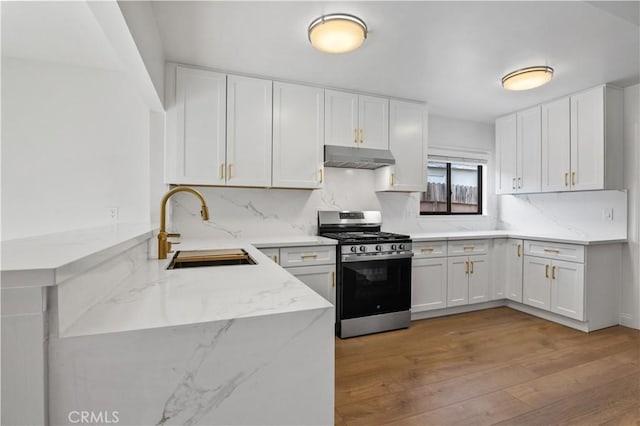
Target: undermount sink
(202, 258)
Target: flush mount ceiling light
(527, 78)
(337, 33)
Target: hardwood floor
(497, 366)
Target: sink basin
(202, 258)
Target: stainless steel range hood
(357, 158)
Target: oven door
(371, 285)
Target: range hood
(357, 158)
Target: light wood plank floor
(496, 366)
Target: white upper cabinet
(556, 159)
(356, 120)
(408, 124)
(198, 120)
(249, 131)
(518, 152)
(571, 144)
(528, 150)
(298, 136)
(506, 155)
(373, 119)
(596, 139)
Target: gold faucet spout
(164, 246)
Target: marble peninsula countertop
(154, 297)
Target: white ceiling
(450, 54)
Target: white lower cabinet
(468, 279)
(428, 284)
(321, 279)
(555, 285)
(507, 269)
(313, 265)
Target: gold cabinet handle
(309, 256)
(361, 135)
(221, 171)
(471, 271)
(466, 267)
(355, 136)
(427, 249)
(566, 179)
(392, 179)
(519, 182)
(469, 247)
(553, 273)
(548, 250)
(519, 251)
(573, 178)
(546, 271)
(230, 173)
(321, 172)
(513, 183)
(333, 279)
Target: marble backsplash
(256, 212)
(566, 214)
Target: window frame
(448, 212)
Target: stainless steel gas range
(373, 292)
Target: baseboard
(415, 316)
(627, 320)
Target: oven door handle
(371, 258)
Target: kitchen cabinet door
(479, 285)
(587, 140)
(457, 281)
(428, 284)
(506, 157)
(298, 136)
(567, 289)
(536, 290)
(513, 263)
(249, 131)
(373, 120)
(528, 150)
(408, 144)
(321, 279)
(200, 124)
(556, 144)
(341, 118)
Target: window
(452, 188)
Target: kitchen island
(241, 344)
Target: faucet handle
(173, 235)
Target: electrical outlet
(113, 214)
(607, 214)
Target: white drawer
(429, 249)
(272, 253)
(312, 255)
(569, 252)
(462, 247)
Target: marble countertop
(155, 297)
(293, 241)
(50, 259)
(463, 235)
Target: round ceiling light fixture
(337, 33)
(527, 78)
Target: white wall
(75, 141)
(630, 312)
(142, 24)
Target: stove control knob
(353, 249)
(363, 249)
(401, 247)
(379, 247)
(393, 247)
